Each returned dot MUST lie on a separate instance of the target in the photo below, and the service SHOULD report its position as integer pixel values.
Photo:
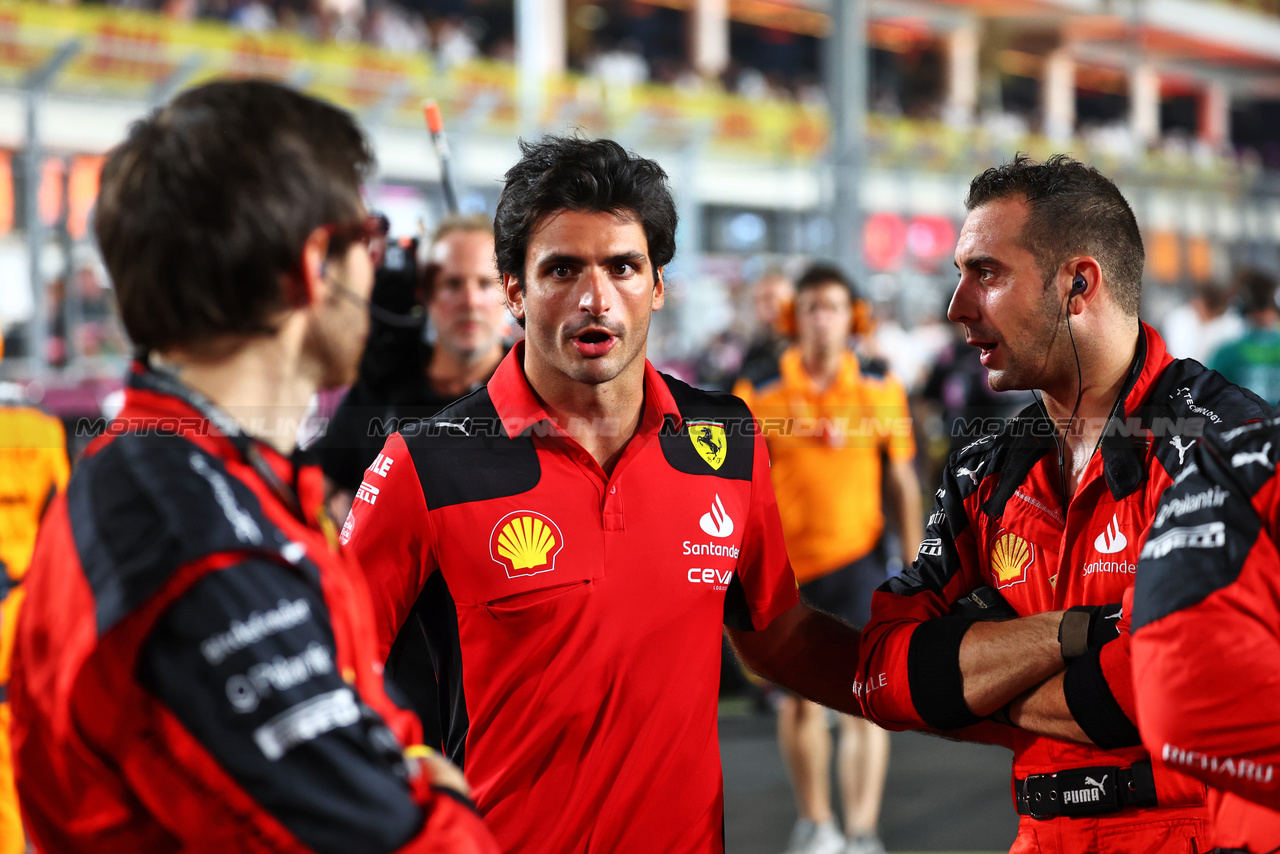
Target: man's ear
(305, 282)
(515, 295)
(659, 290)
(1086, 279)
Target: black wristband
(1073, 632)
(455, 795)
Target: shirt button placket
(613, 518)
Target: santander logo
(716, 522)
(1111, 540)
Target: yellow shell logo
(1010, 559)
(525, 543)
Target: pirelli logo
(1210, 536)
(525, 543)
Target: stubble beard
(339, 365)
(1034, 363)
(621, 358)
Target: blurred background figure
(750, 347)
(404, 375)
(957, 393)
(33, 468)
(1206, 322)
(910, 348)
(1253, 359)
(771, 297)
(837, 430)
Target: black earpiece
(1078, 286)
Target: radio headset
(412, 319)
(1078, 287)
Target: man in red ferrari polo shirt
(1051, 509)
(576, 534)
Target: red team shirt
(575, 617)
(999, 523)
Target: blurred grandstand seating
(746, 147)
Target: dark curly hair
(1074, 210)
(567, 173)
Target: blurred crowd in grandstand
(455, 31)
(620, 41)
(629, 42)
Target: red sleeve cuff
(740, 614)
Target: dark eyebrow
(980, 261)
(560, 258)
(635, 259)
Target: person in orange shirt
(33, 468)
(837, 430)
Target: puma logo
(971, 473)
(460, 426)
(1262, 458)
(1091, 795)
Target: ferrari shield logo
(709, 441)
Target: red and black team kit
(1206, 631)
(999, 522)
(196, 667)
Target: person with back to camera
(1253, 359)
(195, 666)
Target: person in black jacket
(466, 313)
